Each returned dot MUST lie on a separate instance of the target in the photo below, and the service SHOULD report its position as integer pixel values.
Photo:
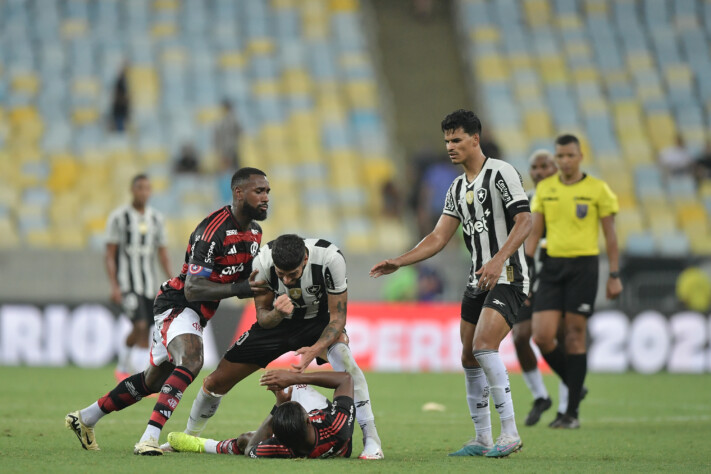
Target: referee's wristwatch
(614, 274)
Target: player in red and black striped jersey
(217, 266)
(290, 432)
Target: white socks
(211, 446)
(151, 432)
(204, 407)
(91, 414)
(498, 379)
(562, 397)
(534, 382)
(341, 359)
(478, 400)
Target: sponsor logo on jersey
(480, 195)
(313, 289)
(449, 203)
(581, 210)
(504, 190)
(232, 232)
(470, 197)
(233, 269)
(255, 231)
(329, 280)
(210, 251)
(478, 226)
(295, 293)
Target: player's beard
(254, 213)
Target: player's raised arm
(432, 244)
(341, 382)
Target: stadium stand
(627, 76)
(301, 77)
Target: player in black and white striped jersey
(489, 201)
(304, 311)
(135, 235)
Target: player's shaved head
(290, 425)
(288, 252)
(242, 175)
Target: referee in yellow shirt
(569, 206)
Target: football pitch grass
(630, 423)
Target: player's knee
(545, 343)
(468, 359)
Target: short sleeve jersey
(217, 250)
(324, 273)
(486, 208)
(138, 236)
(334, 433)
(572, 212)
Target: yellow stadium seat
(553, 70)
(63, 175)
(491, 68)
(208, 115)
(74, 28)
(705, 188)
(513, 141)
(537, 13)
(266, 88)
(679, 75)
(596, 7)
(378, 170)
(638, 60)
(661, 129)
(569, 21)
(163, 30)
(261, 46)
(537, 124)
(691, 214)
(485, 34)
(231, 60)
(520, 61)
(40, 238)
(27, 83)
(85, 115)
(167, 5)
(282, 4)
(174, 56)
(343, 5)
(10, 239)
(586, 74)
(86, 87)
(362, 94)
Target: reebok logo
(584, 308)
(499, 303)
(362, 403)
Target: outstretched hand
(283, 395)
(308, 354)
(385, 267)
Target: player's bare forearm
(531, 242)
(270, 311)
(110, 262)
(201, 289)
(519, 232)
(338, 307)
(280, 379)
(164, 260)
(428, 247)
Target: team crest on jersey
(295, 293)
(313, 289)
(480, 195)
(581, 210)
(470, 197)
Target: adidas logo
(232, 251)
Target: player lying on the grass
(291, 430)
(304, 310)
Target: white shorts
(308, 398)
(169, 324)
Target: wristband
(241, 289)
(274, 409)
(614, 274)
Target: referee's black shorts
(505, 299)
(261, 346)
(568, 285)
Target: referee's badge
(295, 293)
(581, 210)
(470, 197)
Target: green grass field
(630, 423)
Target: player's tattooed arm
(337, 306)
(270, 311)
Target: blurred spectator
(436, 180)
(188, 159)
(226, 136)
(489, 147)
(121, 101)
(676, 159)
(392, 201)
(702, 164)
(402, 286)
(429, 284)
(423, 9)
